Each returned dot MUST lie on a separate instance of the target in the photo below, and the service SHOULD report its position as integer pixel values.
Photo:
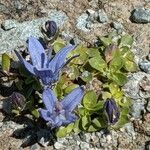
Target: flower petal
(37, 52)
(45, 115)
(58, 61)
(47, 76)
(49, 99)
(28, 66)
(73, 99)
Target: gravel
(141, 15)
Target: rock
(84, 145)
(117, 25)
(141, 15)
(58, 145)
(137, 107)
(130, 129)
(7, 106)
(19, 4)
(43, 137)
(145, 84)
(145, 66)
(94, 3)
(92, 15)
(82, 22)
(102, 17)
(9, 24)
(18, 35)
(148, 105)
(3, 8)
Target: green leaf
(76, 128)
(61, 132)
(73, 72)
(82, 111)
(96, 122)
(58, 44)
(116, 64)
(86, 76)
(126, 40)
(70, 88)
(5, 62)
(119, 78)
(106, 41)
(58, 90)
(92, 128)
(126, 53)
(23, 71)
(19, 85)
(125, 102)
(93, 52)
(16, 112)
(122, 121)
(70, 127)
(90, 99)
(28, 91)
(36, 85)
(35, 113)
(106, 95)
(83, 56)
(29, 80)
(130, 66)
(98, 63)
(85, 122)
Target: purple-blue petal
(73, 99)
(49, 99)
(59, 60)
(36, 51)
(27, 65)
(45, 114)
(47, 76)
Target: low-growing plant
(98, 73)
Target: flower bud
(112, 111)
(51, 28)
(17, 100)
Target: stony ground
(84, 20)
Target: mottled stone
(137, 108)
(82, 22)
(117, 25)
(141, 15)
(102, 17)
(145, 66)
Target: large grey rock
(141, 15)
(15, 34)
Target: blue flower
(44, 67)
(112, 111)
(59, 113)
